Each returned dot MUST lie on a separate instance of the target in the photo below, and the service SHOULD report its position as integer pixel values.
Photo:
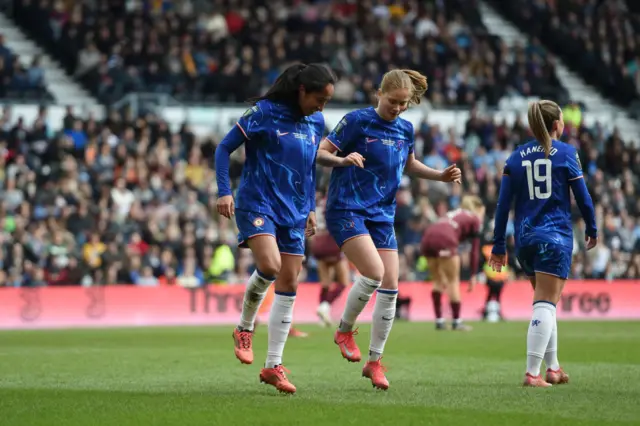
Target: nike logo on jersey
(280, 134)
(369, 140)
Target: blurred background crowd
(207, 51)
(128, 200)
(21, 80)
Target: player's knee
(390, 282)
(375, 271)
(438, 286)
(270, 266)
(288, 279)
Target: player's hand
(226, 206)
(353, 159)
(591, 242)
(311, 228)
(451, 174)
(497, 261)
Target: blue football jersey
(540, 188)
(278, 177)
(385, 146)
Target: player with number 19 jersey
(540, 187)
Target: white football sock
(551, 354)
(358, 297)
(384, 313)
(253, 296)
(540, 328)
(279, 325)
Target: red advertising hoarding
(116, 306)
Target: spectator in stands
(597, 38)
(19, 80)
(227, 51)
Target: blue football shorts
(290, 240)
(548, 258)
(345, 225)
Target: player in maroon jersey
(440, 244)
(333, 267)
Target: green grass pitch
(189, 376)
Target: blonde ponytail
(419, 83)
(541, 116)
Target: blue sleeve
(312, 190)
(250, 125)
(230, 143)
(573, 164)
(344, 132)
(580, 192)
(585, 204)
(412, 139)
(502, 214)
(254, 120)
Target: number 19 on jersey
(538, 178)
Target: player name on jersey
(537, 148)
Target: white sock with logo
(279, 325)
(384, 313)
(540, 328)
(253, 296)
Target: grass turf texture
(189, 376)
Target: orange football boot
(243, 341)
(277, 378)
(556, 377)
(294, 332)
(348, 345)
(535, 381)
(374, 370)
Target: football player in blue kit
(539, 175)
(370, 149)
(275, 202)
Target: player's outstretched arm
(417, 169)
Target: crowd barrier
(124, 306)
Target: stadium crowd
(20, 80)
(129, 201)
(227, 51)
(126, 200)
(599, 39)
